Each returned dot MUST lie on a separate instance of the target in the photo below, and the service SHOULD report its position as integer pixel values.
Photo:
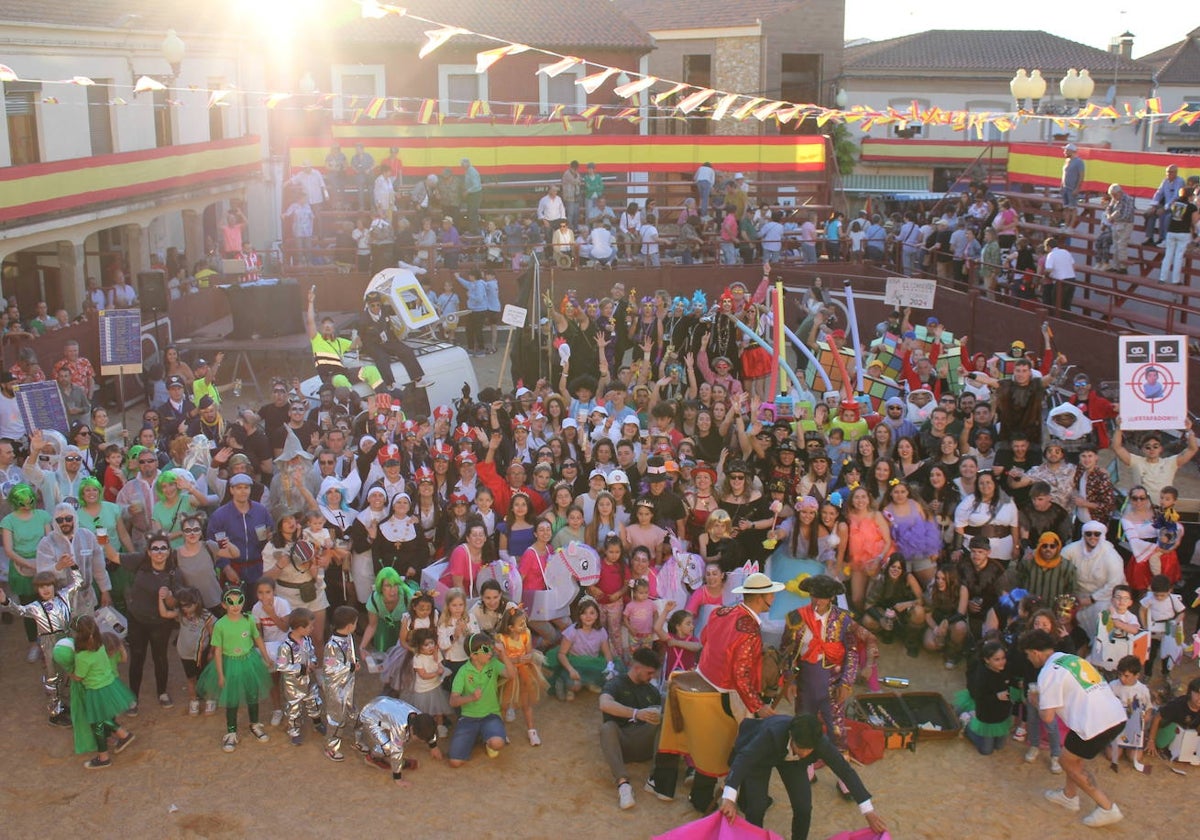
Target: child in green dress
(104, 695)
(237, 674)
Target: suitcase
(906, 717)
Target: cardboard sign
(120, 341)
(916, 292)
(514, 316)
(1154, 382)
(41, 406)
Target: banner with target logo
(1153, 382)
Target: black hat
(206, 401)
(822, 586)
(809, 437)
(174, 380)
(787, 445)
(980, 542)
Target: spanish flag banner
(425, 112)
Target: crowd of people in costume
(282, 552)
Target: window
(20, 110)
(356, 81)
(561, 90)
(216, 114)
(100, 117)
(908, 129)
(458, 86)
(990, 133)
(697, 70)
(164, 120)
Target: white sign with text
(916, 292)
(1154, 384)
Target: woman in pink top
(711, 593)
(532, 567)
(467, 561)
(643, 533)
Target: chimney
(1125, 45)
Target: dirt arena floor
(175, 781)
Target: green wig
(21, 495)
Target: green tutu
(247, 681)
(590, 668)
(18, 584)
(963, 702)
(104, 704)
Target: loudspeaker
(152, 290)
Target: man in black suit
(789, 745)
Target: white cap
(738, 176)
(600, 409)
(522, 391)
(570, 423)
(618, 477)
(597, 473)
(1071, 147)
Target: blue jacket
(477, 296)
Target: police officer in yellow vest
(328, 350)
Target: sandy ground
(175, 781)
(176, 778)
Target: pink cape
(716, 827)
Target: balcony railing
(43, 190)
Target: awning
(858, 182)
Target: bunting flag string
(673, 100)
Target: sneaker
(210, 707)
(259, 732)
(296, 740)
(442, 730)
(96, 764)
(534, 740)
(1071, 803)
(319, 726)
(35, 653)
(1101, 817)
(277, 717)
(122, 743)
(649, 788)
(1019, 734)
(625, 796)
(229, 742)
(1055, 765)
(570, 696)
(380, 763)
(165, 701)
(510, 715)
(491, 753)
(334, 755)
(424, 382)
(1031, 755)
(63, 718)
(132, 711)
(193, 707)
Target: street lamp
(173, 50)
(841, 99)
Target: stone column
(72, 276)
(137, 257)
(193, 237)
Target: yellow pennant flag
(1154, 105)
(566, 121)
(376, 107)
(589, 112)
(425, 112)
(274, 99)
(556, 112)
(517, 111)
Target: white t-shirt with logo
(1082, 698)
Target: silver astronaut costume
(53, 620)
(295, 662)
(384, 729)
(341, 661)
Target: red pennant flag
(425, 112)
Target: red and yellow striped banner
(503, 153)
(74, 185)
(1139, 173)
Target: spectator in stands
(312, 183)
(599, 212)
(689, 244)
(74, 399)
(601, 240)
(572, 192)
(1181, 231)
(563, 242)
(383, 242)
(383, 192)
(300, 216)
(82, 372)
(41, 322)
(593, 191)
(770, 234)
(232, 233)
(1060, 266)
(648, 236)
(363, 165)
(629, 229)
(450, 242)
(808, 240)
(1158, 215)
(1072, 182)
(876, 239)
(1119, 215)
(473, 194)
(550, 209)
(704, 179)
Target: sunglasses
(391, 463)
(1139, 498)
(325, 462)
(191, 530)
(737, 478)
(484, 649)
(72, 459)
(159, 549)
(63, 520)
(570, 465)
(43, 457)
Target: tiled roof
(702, 14)
(539, 23)
(983, 52)
(119, 15)
(1178, 64)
